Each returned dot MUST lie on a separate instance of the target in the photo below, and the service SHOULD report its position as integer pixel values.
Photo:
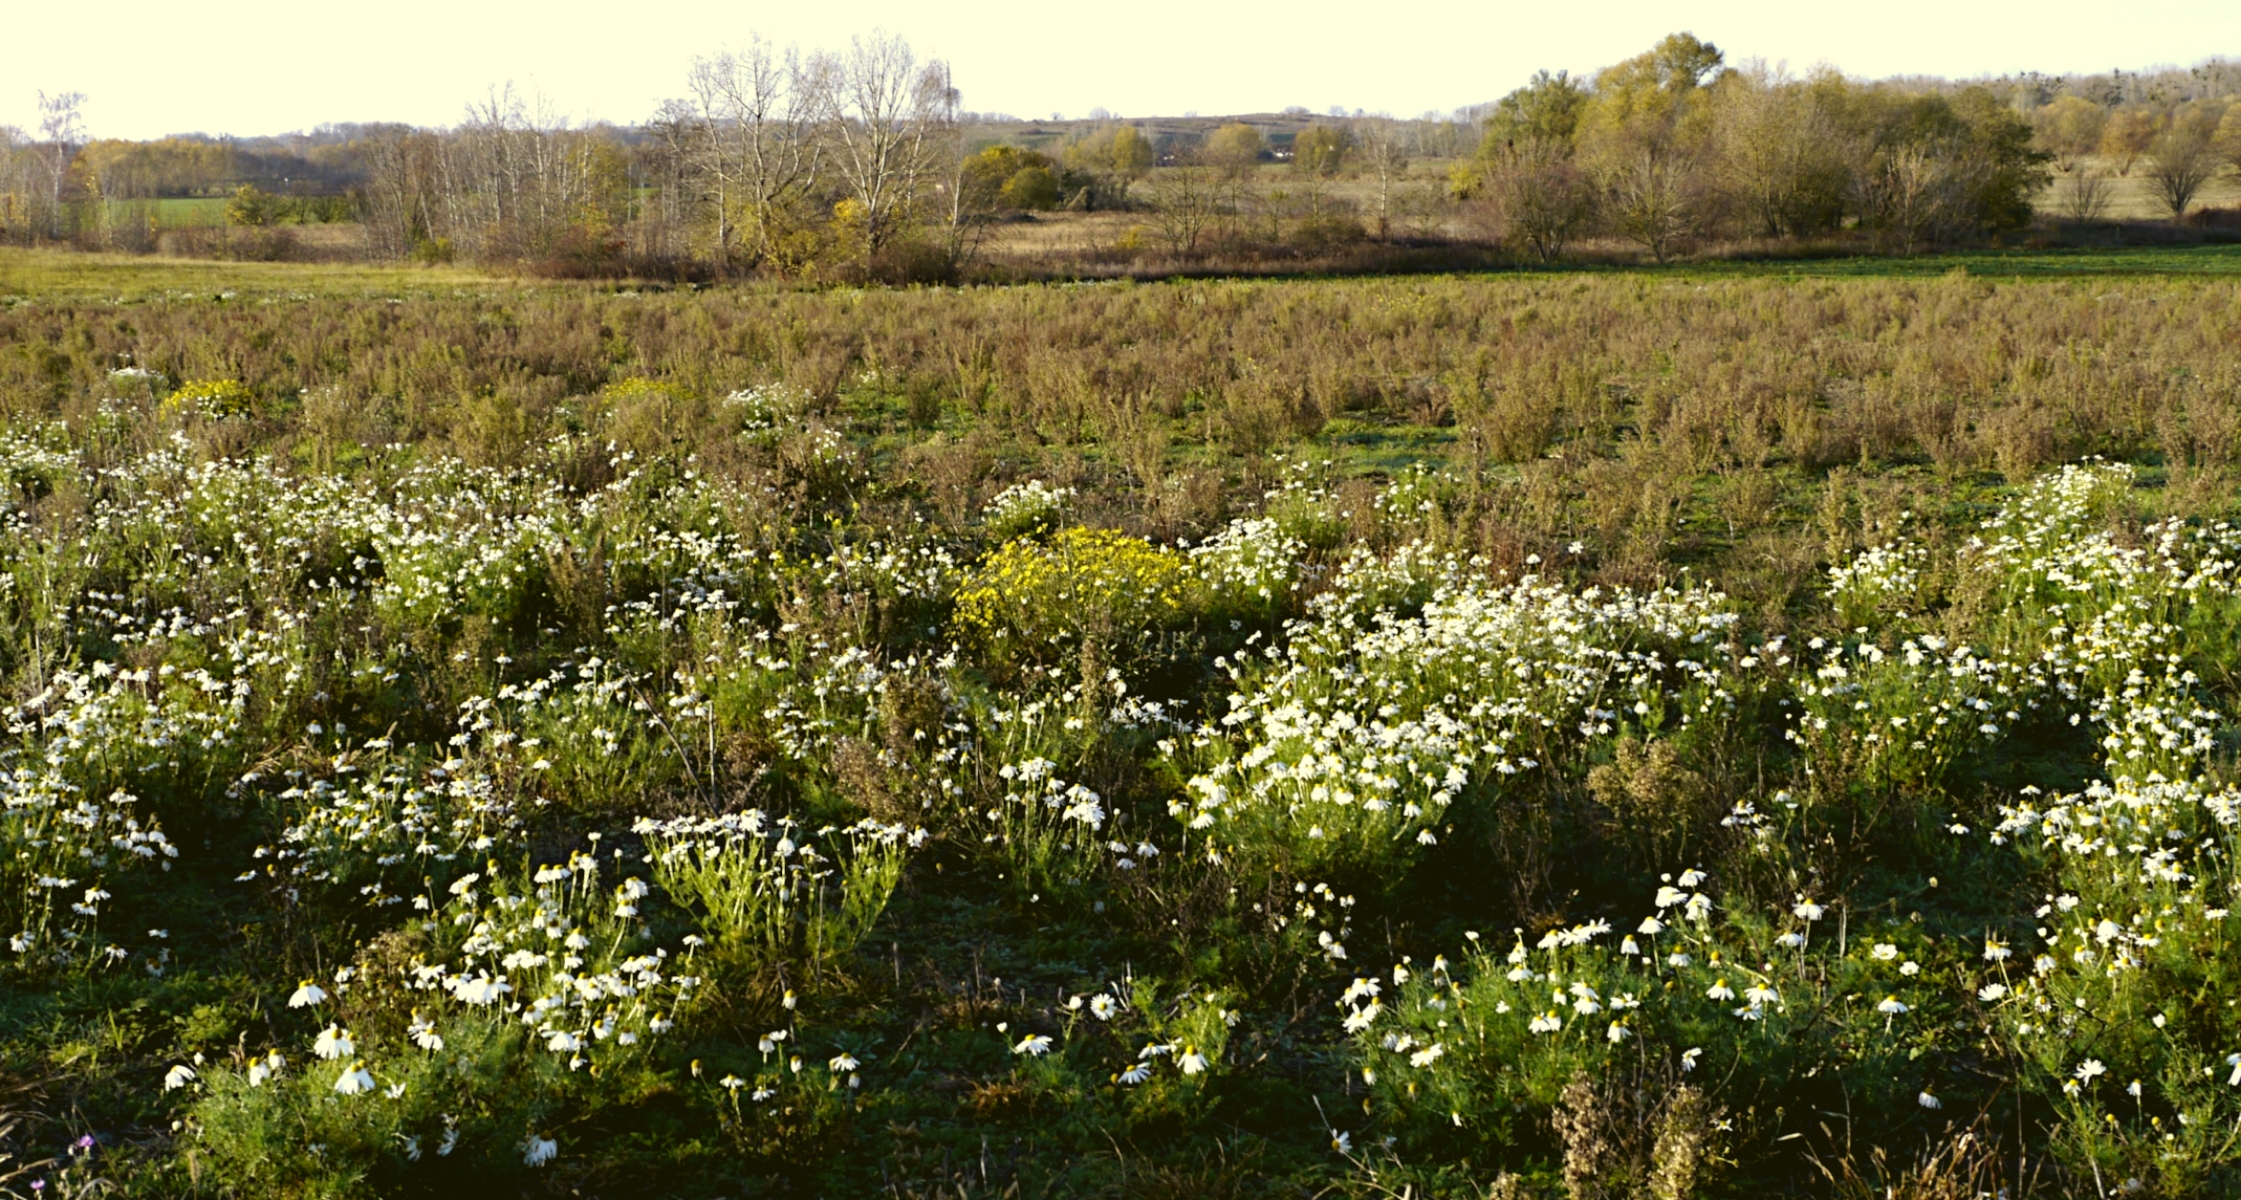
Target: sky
(263, 67)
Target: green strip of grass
(64, 274)
(2118, 262)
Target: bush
(1031, 188)
(1036, 603)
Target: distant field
(1064, 234)
(191, 213)
(50, 275)
(2134, 261)
(47, 275)
(2132, 195)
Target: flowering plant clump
(763, 409)
(1144, 1057)
(1454, 1049)
(1305, 505)
(1252, 570)
(1884, 579)
(1344, 752)
(382, 823)
(33, 461)
(1418, 498)
(1032, 602)
(209, 399)
(766, 894)
(1024, 510)
(530, 980)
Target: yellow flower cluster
(1084, 580)
(637, 389)
(211, 399)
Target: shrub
(208, 399)
(1029, 602)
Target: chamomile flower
(333, 1043)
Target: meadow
(1722, 730)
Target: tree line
(1675, 145)
(863, 161)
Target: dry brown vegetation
(1660, 421)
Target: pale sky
(257, 67)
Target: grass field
(1726, 730)
(44, 276)
(48, 276)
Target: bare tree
(398, 201)
(2181, 162)
(22, 184)
(752, 143)
(1383, 146)
(1186, 202)
(964, 218)
(512, 181)
(1911, 196)
(1653, 195)
(2084, 195)
(61, 130)
(886, 114)
(1533, 196)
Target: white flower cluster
(566, 959)
(383, 820)
(1416, 494)
(1252, 565)
(67, 822)
(764, 407)
(1876, 580)
(1024, 508)
(32, 459)
(1359, 734)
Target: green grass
(181, 212)
(61, 275)
(2124, 262)
(65, 275)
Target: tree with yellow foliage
(1642, 136)
(1234, 149)
(2069, 129)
